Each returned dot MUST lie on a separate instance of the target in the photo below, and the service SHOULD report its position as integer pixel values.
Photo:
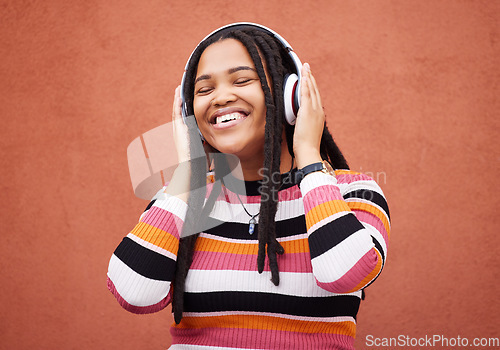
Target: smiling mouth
(229, 117)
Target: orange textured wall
(411, 94)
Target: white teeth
(230, 116)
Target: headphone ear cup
(291, 98)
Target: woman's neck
(252, 169)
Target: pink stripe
(350, 178)
(138, 309)
(290, 194)
(354, 276)
(260, 339)
(321, 195)
(164, 220)
(231, 197)
(292, 262)
(373, 220)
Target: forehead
(223, 55)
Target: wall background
(411, 94)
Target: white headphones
(291, 85)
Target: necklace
(252, 221)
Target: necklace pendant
(251, 228)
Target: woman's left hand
(310, 121)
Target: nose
(224, 94)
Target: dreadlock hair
(262, 47)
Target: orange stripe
(372, 210)
(371, 275)
(156, 237)
(324, 210)
(346, 172)
(268, 323)
(206, 244)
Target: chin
(230, 149)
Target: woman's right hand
(180, 182)
(180, 130)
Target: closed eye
(203, 90)
(243, 81)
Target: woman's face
(229, 103)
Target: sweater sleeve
(143, 265)
(348, 230)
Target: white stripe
(291, 283)
(173, 205)
(251, 241)
(293, 238)
(337, 261)
(290, 209)
(137, 290)
(363, 185)
(195, 347)
(228, 240)
(315, 180)
(235, 212)
(288, 317)
(152, 247)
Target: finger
(315, 90)
(304, 88)
(178, 124)
(309, 86)
(176, 108)
(312, 91)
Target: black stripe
(379, 248)
(340, 305)
(150, 205)
(144, 261)
(371, 196)
(284, 228)
(253, 188)
(331, 234)
(291, 227)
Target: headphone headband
(285, 43)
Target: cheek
(199, 108)
(259, 102)
(199, 120)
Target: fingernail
(308, 67)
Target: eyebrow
(230, 71)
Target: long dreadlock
(262, 48)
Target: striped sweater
(334, 230)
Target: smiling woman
(322, 230)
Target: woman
(321, 236)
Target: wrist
(322, 166)
(306, 157)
